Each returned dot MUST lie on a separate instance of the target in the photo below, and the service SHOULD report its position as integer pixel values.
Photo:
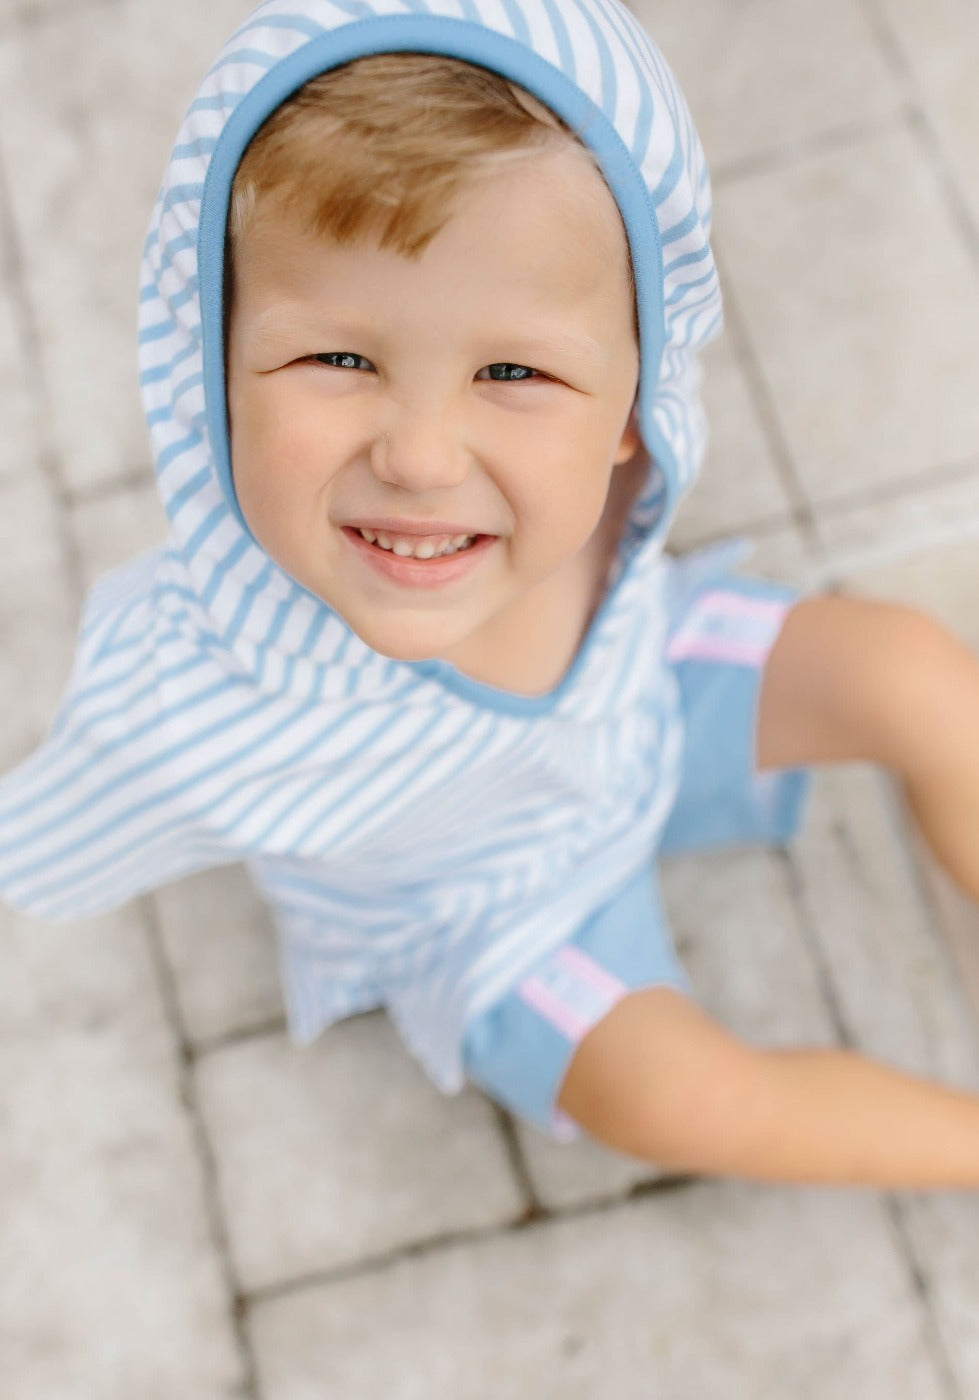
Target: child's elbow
(664, 1082)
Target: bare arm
(659, 1079)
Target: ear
(631, 440)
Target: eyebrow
(547, 342)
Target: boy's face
(369, 389)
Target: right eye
(341, 359)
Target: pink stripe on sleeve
(739, 605)
(729, 627)
(572, 992)
(568, 1021)
(716, 649)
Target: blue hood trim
(455, 39)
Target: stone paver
(939, 43)
(943, 1228)
(111, 1284)
(740, 485)
(714, 1293)
(942, 582)
(918, 546)
(913, 1005)
(958, 918)
(36, 612)
(738, 931)
(568, 1175)
(891, 979)
(762, 76)
(112, 527)
(19, 449)
(868, 338)
(221, 950)
(344, 1151)
(84, 154)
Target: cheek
(276, 458)
(560, 508)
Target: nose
(419, 447)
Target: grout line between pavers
(956, 201)
(830, 566)
(212, 1199)
(95, 492)
(829, 570)
(910, 839)
(272, 1028)
(931, 478)
(887, 42)
(371, 1265)
(835, 570)
(518, 1162)
(895, 1209)
(29, 15)
(800, 512)
(812, 941)
(894, 53)
(891, 1200)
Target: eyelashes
(500, 372)
(341, 359)
(512, 373)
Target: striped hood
(590, 62)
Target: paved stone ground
(192, 1208)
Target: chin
(405, 643)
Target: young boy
(421, 304)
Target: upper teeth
(419, 547)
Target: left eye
(508, 373)
(341, 359)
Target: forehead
(542, 228)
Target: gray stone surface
(712, 1293)
(939, 46)
(345, 1151)
(221, 950)
(740, 485)
(868, 338)
(762, 78)
(37, 613)
(84, 151)
(891, 979)
(918, 546)
(111, 1283)
(565, 1175)
(111, 527)
(943, 1227)
(20, 447)
(169, 1163)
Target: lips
(408, 571)
(392, 525)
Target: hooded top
(422, 838)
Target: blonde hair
(383, 145)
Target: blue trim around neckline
(486, 48)
(491, 697)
